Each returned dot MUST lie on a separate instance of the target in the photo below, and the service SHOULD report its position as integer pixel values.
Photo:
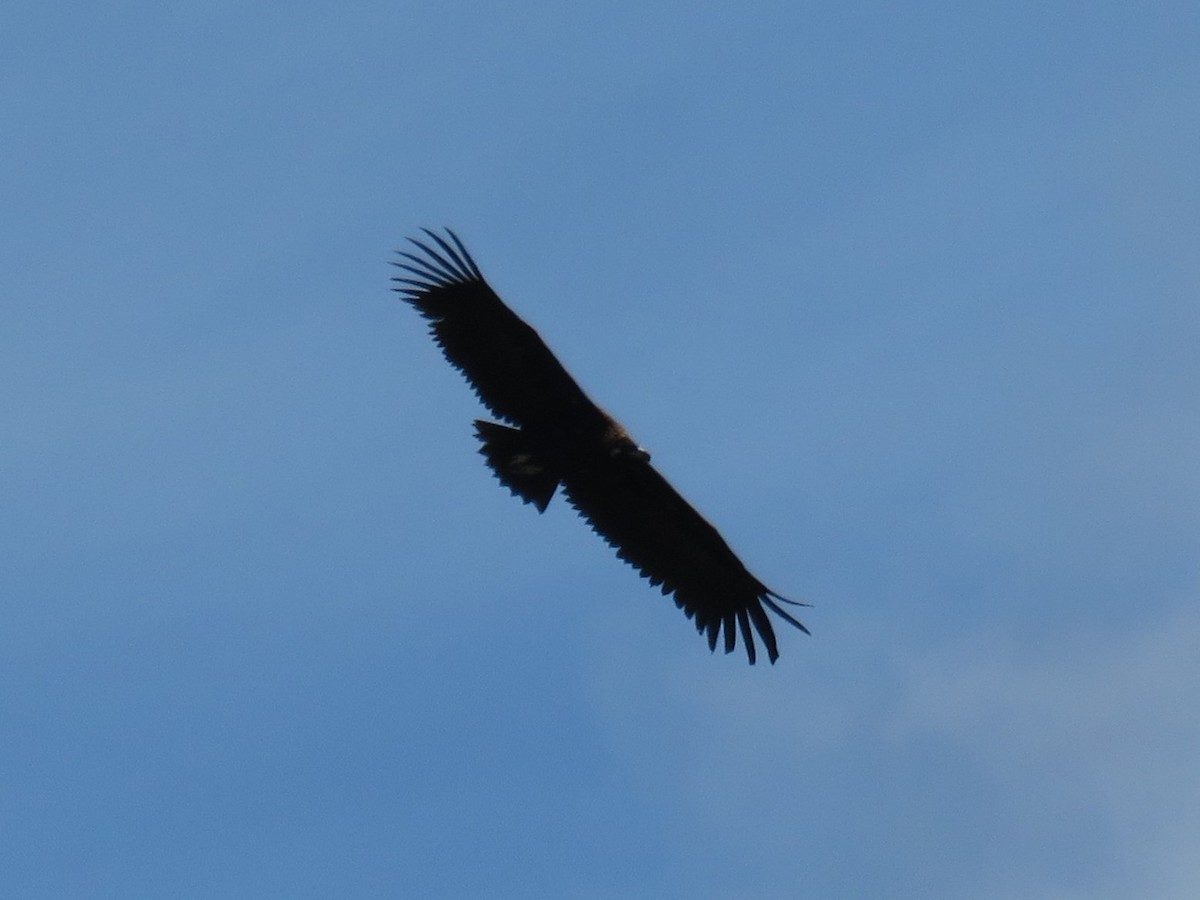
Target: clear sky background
(903, 297)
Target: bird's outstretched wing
(507, 363)
(629, 504)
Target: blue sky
(902, 297)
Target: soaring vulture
(555, 436)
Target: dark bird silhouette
(556, 437)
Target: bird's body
(554, 437)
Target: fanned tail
(515, 463)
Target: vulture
(551, 436)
